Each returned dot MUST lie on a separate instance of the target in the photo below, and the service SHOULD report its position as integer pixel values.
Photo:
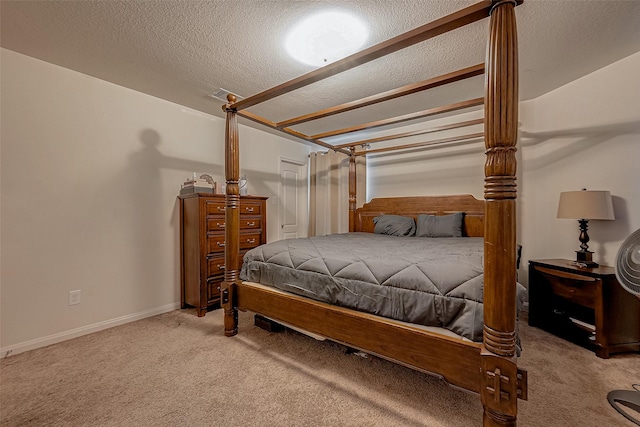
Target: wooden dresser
(202, 222)
(584, 305)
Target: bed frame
(488, 368)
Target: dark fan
(628, 273)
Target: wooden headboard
(431, 205)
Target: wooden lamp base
(585, 258)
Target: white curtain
(329, 191)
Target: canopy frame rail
(413, 133)
(444, 141)
(318, 139)
(289, 131)
(432, 83)
(403, 118)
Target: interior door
(293, 200)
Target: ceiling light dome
(326, 37)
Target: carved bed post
(499, 384)
(232, 221)
(353, 190)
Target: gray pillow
(440, 225)
(394, 225)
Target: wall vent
(221, 94)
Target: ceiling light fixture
(326, 37)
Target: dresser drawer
(218, 224)
(248, 241)
(250, 223)
(214, 207)
(215, 266)
(213, 291)
(215, 244)
(215, 224)
(250, 207)
(247, 207)
(581, 290)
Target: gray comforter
(427, 281)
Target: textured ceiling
(182, 51)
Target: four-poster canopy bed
(488, 367)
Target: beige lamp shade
(585, 204)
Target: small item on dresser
(244, 189)
(197, 185)
(192, 189)
(207, 178)
(220, 187)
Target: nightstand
(584, 305)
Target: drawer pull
(221, 225)
(220, 244)
(220, 266)
(251, 241)
(221, 208)
(250, 224)
(249, 209)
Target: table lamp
(583, 206)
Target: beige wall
(456, 169)
(89, 177)
(583, 135)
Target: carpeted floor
(177, 369)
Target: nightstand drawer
(581, 290)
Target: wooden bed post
(232, 221)
(499, 384)
(353, 190)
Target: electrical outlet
(75, 297)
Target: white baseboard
(84, 330)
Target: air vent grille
(221, 94)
